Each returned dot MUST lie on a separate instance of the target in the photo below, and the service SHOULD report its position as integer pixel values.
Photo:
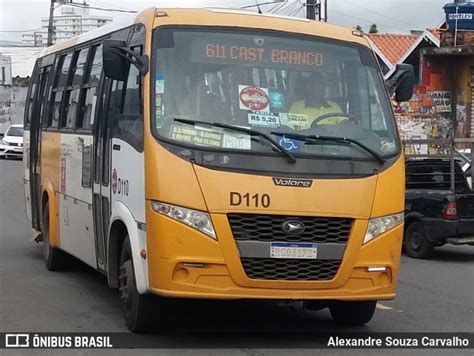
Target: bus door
(101, 186)
(38, 102)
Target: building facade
(71, 21)
(5, 70)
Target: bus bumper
(196, 266)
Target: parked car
(435, 214)
(466, 164)
(11, 144)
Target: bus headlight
(378, 226)
(197, 219)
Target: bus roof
(217, 17)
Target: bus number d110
(254, 201)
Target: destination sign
(268, 55)
(254, 54)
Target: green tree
(373, 28)
(359, 28)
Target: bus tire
(137, 308)
(415, 241)
(352, 313)
(54, 258)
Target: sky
(396, 16)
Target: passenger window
(64, 71)
(88, 108)
(126, 109)
(89, 91)
(56, 114)
(44, 106)
(31, 100)
(57, 93)
(96, 68)
(80, 66)
(73, 103)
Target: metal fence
(447, 148)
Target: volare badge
(292, 182)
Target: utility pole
(325, 10)
(50, 24)
(311, 9)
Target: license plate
(293, 250)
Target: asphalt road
(435, 295)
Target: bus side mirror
(117, 58)
(115, 65)
(402, 82)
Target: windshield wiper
(344, 140)
(288, 155)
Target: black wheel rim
(415, 240)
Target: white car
(11, 144)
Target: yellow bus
(219, 154)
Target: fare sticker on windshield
(264, 120)
(299, 120)
(254, 99)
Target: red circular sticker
(254, 98)
(114, 181)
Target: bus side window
(71, 100)
(60, 66)
(86, 115)
(128, 121)
(44, 105)
(31, 97)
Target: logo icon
(293, 227)
(290, 182)
(254, 98)
(17, 340)
(289, 144)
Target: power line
(279, 7)
(274, 7)
(104, 5)
(101, 8)
(292, 9)
(19, 31)
(286, 5)
(261, 4)
(297, 11)
(366, 21)
(382, 15)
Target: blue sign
(277, 100)
(290, 144)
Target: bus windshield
(284, 85)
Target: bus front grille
(268, 228)
(290, 269)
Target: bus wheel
(53, 257)
(137, 308)
(352, 313)
(415, 241)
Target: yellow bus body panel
(50, 177)
(173, 248)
